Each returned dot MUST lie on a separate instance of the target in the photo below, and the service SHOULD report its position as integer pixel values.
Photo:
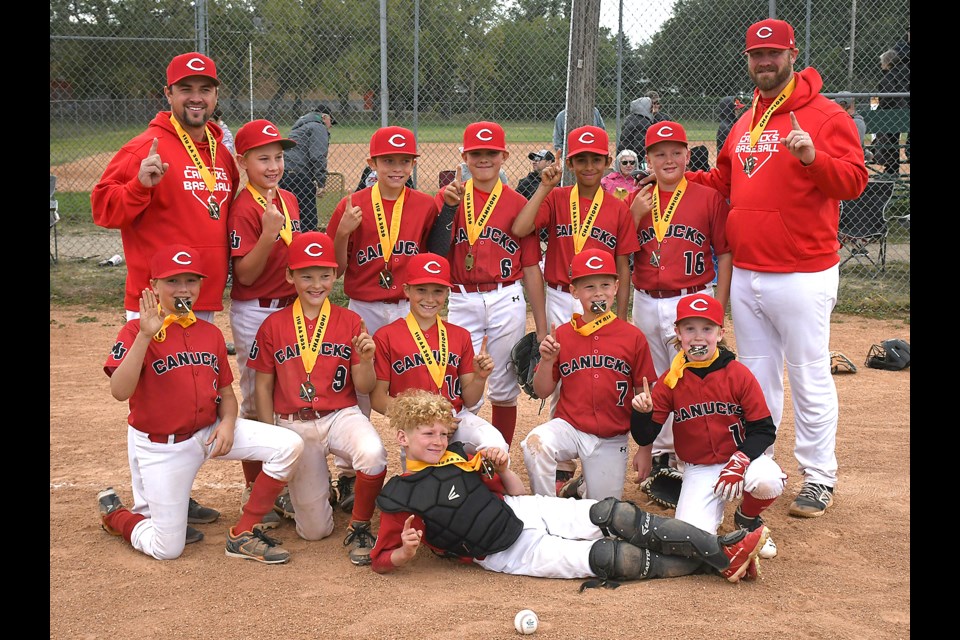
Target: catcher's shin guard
(620, 560)
(667, 535)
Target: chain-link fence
(449, 63)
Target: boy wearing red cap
(311, 358)
(376, 231)
(601, 361)
(488, 263)
(169, 354)
(264, 220)
(173, 183)
(421, 351)
(680, 227)
(721, 424)
(785, 168)
(577, 218)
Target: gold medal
(214, 208)
(468, 261)
(749, 164)
(655, 258)
(386, 279)
(307, 391)
(182, 305)
(598, 306)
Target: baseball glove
(663, 487)
(524, 358)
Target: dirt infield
(845, 575)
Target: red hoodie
(784, 216)
(174, 211)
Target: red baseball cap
(588, 139)
(770, 34)
(665, 131)
(257, 133)
(593, 262)
(428, 268)
(484, 135)
(700, 305)
(389, 140)
(191, 64)
(311, 249)
(175, 259)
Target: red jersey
(391, 528)
(498, 255)
(246, 225)
(696, 231)
(613, 231)
(173, 212)
(364, 254)
(398, 359)
(277, 351)
(599, 373)
(709, 413)
(784, 216)
(179, 380)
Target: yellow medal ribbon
(661, 222)
(448, 458)
(310, 350)
(436, 369)
(387, 235)
(206, 172)
(286, 231)
(582, 232)
(590, 327)
(183, 321)
(475, 225)
(757, 131)
(680, 363)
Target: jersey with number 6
(599, 375)
(398, 359)
(277, 351)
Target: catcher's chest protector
(460, 514)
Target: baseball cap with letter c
(700, 305)
(389, 140)
(175, 259)
(770, 34)
(191, 64)
(428, 268)
(484, 135)
(311, 249)
(588, 139)
(593, 262)
(665, 131)
(257, 133)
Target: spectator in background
(728, 111)
(227, 134)
(560, 124)
(539, 160)
(634, 131)
(895, 79)
(306, 164)
(845, 100)
(658, 116)
(620, 182)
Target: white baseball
(526, 622)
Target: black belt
(276, 303)
(306, 414)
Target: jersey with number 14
(277, 351)
(599, 375)
(398, 359)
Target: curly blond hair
(414, 408)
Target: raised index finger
(646, 386)
(459, 174)
(553, 329)
(363, 327)
(483, 345)
(409, 522)
(350, 202)
(270, 196)
(795, 122)
(153, 147)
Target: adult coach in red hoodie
(785, 167)
(173, 184)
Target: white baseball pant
(162, 474)
(561, 305)
(785, 318)
(246, 316)
(348, 434)
(604, 460)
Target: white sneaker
(769, 549)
